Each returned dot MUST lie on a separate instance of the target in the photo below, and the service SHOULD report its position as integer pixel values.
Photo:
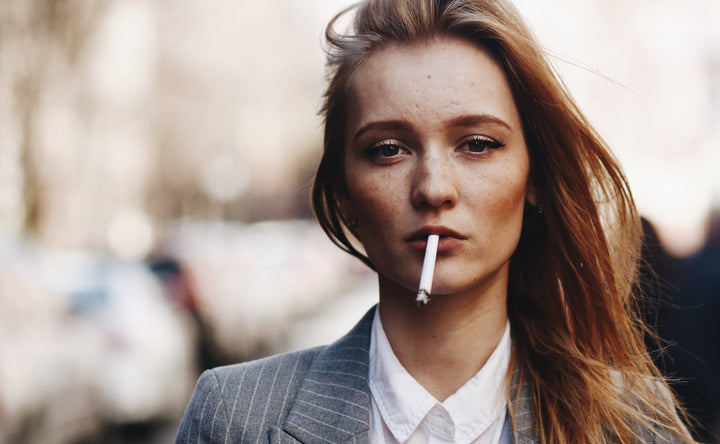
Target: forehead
(439, 76)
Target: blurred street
(156, 159)
(96, 349)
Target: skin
(434, 139)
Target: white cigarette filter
(428, 270)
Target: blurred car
(254, 282)
(87, 341)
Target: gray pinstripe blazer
(319, 395)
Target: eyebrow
(476, 119)
(457, 122)
(383, 125)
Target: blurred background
(155, 165)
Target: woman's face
(434, 144)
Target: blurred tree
(40, 44)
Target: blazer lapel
(522, 431)
(333, 402)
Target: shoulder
(242, 402)
(237, 400)
(278, 370)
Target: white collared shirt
(402, 411)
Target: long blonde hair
(578, 343)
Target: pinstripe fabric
(238, 404)
(320, 395)
(333, 403)
(521, 432)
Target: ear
(531, 195)
(347, 214)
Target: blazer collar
(522, 431)
(333, 402)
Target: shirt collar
(403, 402)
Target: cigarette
(428, 269)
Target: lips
(449, 239)
(427, 230)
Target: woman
(444, 117)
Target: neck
(446, 342)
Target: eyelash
(487, 142)
(376, 151)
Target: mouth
(443, 232)
(449, 239)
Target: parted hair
(578, 340)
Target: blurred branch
(42, 41)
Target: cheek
(514, 196)
(505, 197)
(373, 198)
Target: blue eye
(478, 144)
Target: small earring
(540, 210)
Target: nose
(434, 183)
